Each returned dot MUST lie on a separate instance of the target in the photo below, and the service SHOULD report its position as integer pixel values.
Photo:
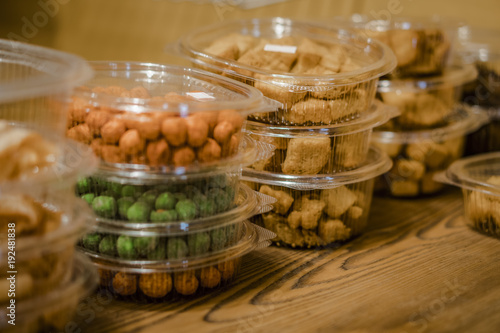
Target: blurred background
(139, 29)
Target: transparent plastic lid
(375, 58)
(462, 121)
(248, 203)
(204, 91)
(472, 173)
(64, 161)
(28, 71)
(378, 114)
(453, 76)
(377, 163)
(252, 238)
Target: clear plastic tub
(53, 312)
(32, 157)
(162, 117)
(425, 102)
(36, 82)
(159, 281)
(318, 149)
(422, 45)
(482, 48)
(479, 179)
(39, 230)
(178, 239)
(487, 138)
(314, 211)
(320, 75)
(419, 155)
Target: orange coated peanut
(158, 153)
(175, 131)
(197, 131)
(131, 142)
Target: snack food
(318, 149)
(320, 75)
(162, 239)
(161, 201)
(36, 83)
(422, 46)
(425, 102)
(36, 158)
(164, 280)
(418, 155)
(53, 311)
(314, 211)
(46, 227)
(479, 179)
(178, 118)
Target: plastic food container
(482, 48)
(161, 117)
(168, 240)
(487, 138)
(422, 46)
(32, 157)
(419, 155)
(156, 281)
(39, 230)
(319, 149)
(53, 311)
(36, 82)
(320, 75)
(479, 179)
(425, 102)
(314, 211)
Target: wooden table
(418, 268)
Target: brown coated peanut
(112, 131)
(197, 131)
(175, 131)
(183, 156)
(158, 153)
(131, 142)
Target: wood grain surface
(418, 268)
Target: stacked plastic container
(171, 214)
(479, 179)
(42, 280)
(482, 49)
(426, 87)
(322, 169)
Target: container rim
(385, 64)
(376, 164)
(252, 99)
(358, 20)
(378, 114)
(463, 120)
(454, 76)
(457, 174)
(60, 71)
(247, 207)
(248, 242)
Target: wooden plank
(417, 269)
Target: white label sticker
(200, 96)
(280, 48)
